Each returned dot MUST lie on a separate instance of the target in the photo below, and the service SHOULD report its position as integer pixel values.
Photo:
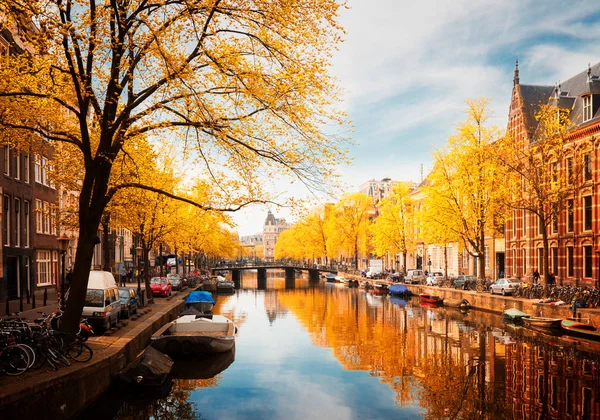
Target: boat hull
(431, 299)
(538, 322)
(457, 303)
(580, 330)
(514, 315)
(178, 346)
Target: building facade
(573, 254)
(271, 231)
(377, 189)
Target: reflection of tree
(174, 407)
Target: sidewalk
(46, 393)
(15, 305)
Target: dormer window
(587, 108)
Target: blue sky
(407, 68)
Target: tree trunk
(404, 262)
(445, 262)
(356, 257)
(88, 238)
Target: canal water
(329, 351)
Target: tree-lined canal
(330, 351)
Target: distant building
(250, 240)
(271, 231)
(377, 189)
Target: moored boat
(192, 334)
(364, 284)
(330, 277)
(580, 330)
(541, 322)
(149, 368)
(341, 279)
(225, 286)
(399, 289)
(380, 288)
(514, 314)
(457, 303)
(432, 299)
(198, 302)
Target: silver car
(504, 286)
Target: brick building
(29, 247)
(573, 249)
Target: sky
(408, 67)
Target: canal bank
(498, 304)
(64, 393)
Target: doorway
(12, 277)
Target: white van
(102, 306)
(414, 277)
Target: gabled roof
(567, 95)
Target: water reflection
(326, 350)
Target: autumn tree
(348, 226)
(465, 190)
(241, 87)
(544, 172)
(393, 228)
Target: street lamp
(63, 245)
(138, 251)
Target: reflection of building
(271, 231)
(547, 382)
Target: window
(27, 224)
(540, 262)
(555, 172)
(587, 261)
(587, 167)
(524, 251)
(38, 216)
(43, 268)
(514, 260)
(514, 224)
(6, 160)
(46, 218)
(26, 167)
(570, 215)
(555, 261)
(53, 220)
(569, 171)
(524, 223)
(587, 108)
(44, 171)
(587, 212)
(555, 224)
(18, 166)
(18, 222)
(6, 226)
(570, 270)
(38, 170)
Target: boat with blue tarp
(399, 289)
(198, 301)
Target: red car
(160, 286)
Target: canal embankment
(65, 392)
(498, 304)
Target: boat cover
(514, 314)
(151, 366)
(199, 296)
(330, 275)
(399, 289)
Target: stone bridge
(261, 270)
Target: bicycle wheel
(80, 352)
(14, 360)
(30, 352)
(58, 357)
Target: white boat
(195, 334)
(341, 279)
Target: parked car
(175, 281)
(161, 286)
(102, 306)
(464, 282)
(435, 278)
(414, 277)
(504, 286)
(129, 301)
